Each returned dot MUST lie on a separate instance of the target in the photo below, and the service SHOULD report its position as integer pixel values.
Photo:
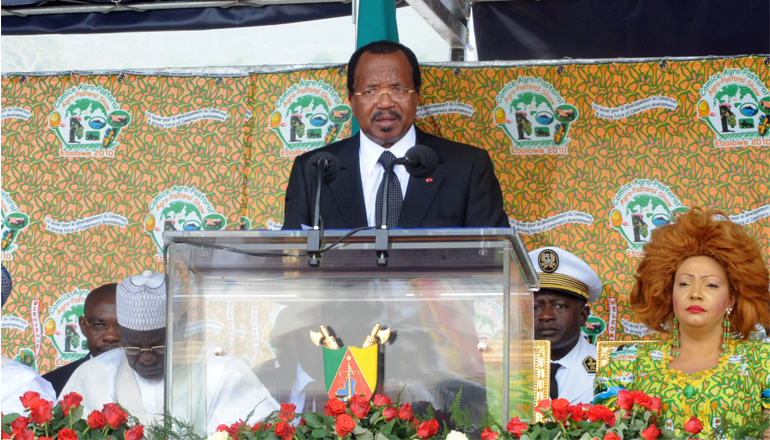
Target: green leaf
(375, 415)
(387, 428)
(312, 421)
(319, 432)
(365, 435)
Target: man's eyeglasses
(160, 350)
(397, 94)
(101, 327)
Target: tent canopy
(504, 30)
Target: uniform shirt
(576, 383)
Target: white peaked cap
(563, 271)
(140, 301)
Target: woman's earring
(675, 349)
(726, 325)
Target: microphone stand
(315, 235)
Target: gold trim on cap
(563, 282)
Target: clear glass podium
(457, 304)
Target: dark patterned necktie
(394, 194)
(554, 392)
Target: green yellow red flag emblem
(351, 370)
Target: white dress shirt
(372, 172)
(576, 384)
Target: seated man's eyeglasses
(101, 327)
(136, 351)
(398, 94)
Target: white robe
(17, 380)
(232, 390)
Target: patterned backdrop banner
(591, 157)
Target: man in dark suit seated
(384, 85)
(100, 327)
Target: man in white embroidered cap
(133, 375)
(567, 285)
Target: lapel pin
(429, 180)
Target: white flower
(219, 435)
(456, 435)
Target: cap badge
(548, 261)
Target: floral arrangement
(358, 419)
(361, 419)
(64, 421)
(638, 419)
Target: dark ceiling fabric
(168, 20)
(555, 29)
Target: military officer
(567, 285)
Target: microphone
(325, 164)
(419, 161)
(324, 167)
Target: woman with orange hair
(703, 283)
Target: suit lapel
(420, 192)
(347, 188)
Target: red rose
(344, 424)
(656, 405)
(516, 427)
(359, 406)
(257, 426)
(651, 433)
(488, 434)
(29, 398)
(543, 405)
(611, 436)
(405, 412)
(390, 413)
(560, 408)
(335, 407)
(235, 428)
(40, 411)
(380, 400)
(97, 420)
(19, 423)
(220, 428)
(693, 426)
(284, 430)
(577, 412)
(44, 438)
(625, 400)
(642, 399)
(287, 411)
(601, 412)
(70, 401)
(134, 433)
(26, 434)
(67, 434)
(115, 416)
(428, 429)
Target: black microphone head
(422, 161)
(326, 164)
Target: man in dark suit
(100, 327)
(384, 84)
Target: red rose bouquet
(358, 419)
(64, 421)
(636, 419)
